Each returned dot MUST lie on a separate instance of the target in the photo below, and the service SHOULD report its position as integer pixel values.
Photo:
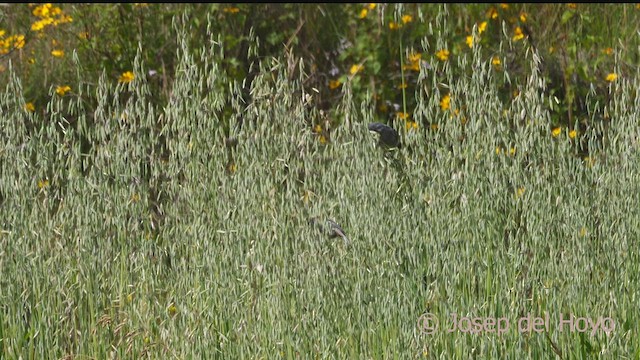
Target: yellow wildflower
(394, 26)
(572, 6)
(445, 102)
(520, 191)
(43, 183)
(334, 84)
(402, 86)
(371, 6)
(492, 13)
(231, 10)
(498, 150)
(42, 10)
(61, 90)
(414, 57)
(355, 69)
(573, 134)
(15, 41)
(402, 115)
(411, 125)
(126, 77)
(407, 19)
(482, 27)
(363, 13)
(504, 6)
(556, 131)
(18, 41)
(523, 17)
(443, 54)
(608, 51)
(518, 34)
(611, 77)
(415, 66)
(57, 53)
(38, 25)
(29, 107)
(469, 40)
(434, 127)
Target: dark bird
(329, 228)
(388, 136)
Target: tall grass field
(135, 228)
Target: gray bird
(388, 136)
(329, 228)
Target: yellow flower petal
(231, 10)
(334, 84)
(355, 69)
(445, 102)
(402, 115)
(518, 34)
(411, 125)
(126, 77)
(43, 183)
(443, 54)
(573, 134)
(523, 17)
(414, 57)
(61, 90)
(492, 13)
(482, 27)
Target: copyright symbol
(427, 323)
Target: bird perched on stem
(329, 228)
(388, 136)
